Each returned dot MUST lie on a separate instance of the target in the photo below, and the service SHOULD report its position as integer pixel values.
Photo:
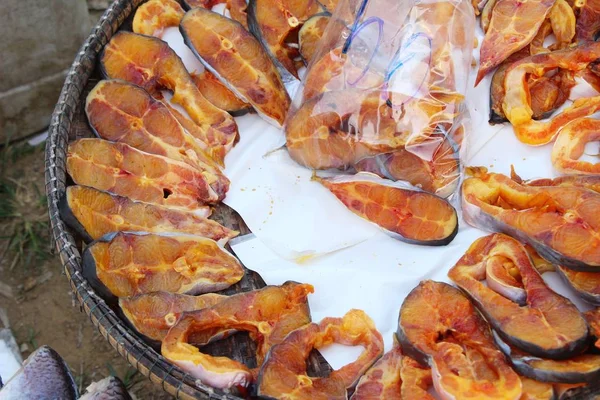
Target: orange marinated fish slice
(129, 264)
(586, 284)
(93, 214)
(536, 390)
(570, 146)
(497, 91)
(560, 22)
(409, 215)
(578, 369)
(152, 64)
(151, 18)
(154, 16)
(537, 43)
(238, 11)
(375, 127)
(539, 263)
(486, 15)
(592, 76)
(316, 134)
(446, 25)
(547, 93)
(335, 71)
(512, 26)
(546, 324)
(310, 34)
(153, 314)
(571, 390)
(237, 8)
(121, 112)
(456, 341)
(273, 22)
(436, 72)
(220, 95)
(121, 169)
(238, 60)
(576, 391)
(268, 314)
(503, 276)
(382, 380)
(562, 19)
(593, 319)
(440, 175)
(394, 377)
(537, 133)
(588, 20)
(283, 374)
(337, 129)
(416, 380)
(591, 182)
(217, 153)
(419, 127)
(329, 5)
(516, 103)
(560, 222)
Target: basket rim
(139, 354)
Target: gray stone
(27, 109)
(98, 4)
(40, 39)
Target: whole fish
(44, 375)
(109, 388)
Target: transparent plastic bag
(385, 92)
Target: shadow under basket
(69, 123)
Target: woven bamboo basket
(69, 123)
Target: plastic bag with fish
(384, 92)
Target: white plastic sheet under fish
(301, 232)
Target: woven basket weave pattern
(137, 353)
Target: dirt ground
(41, 309)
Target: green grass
(12, 152)
(27, 334)
(23, 214)
(31, 337)
(127, 379)
(81, 379)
